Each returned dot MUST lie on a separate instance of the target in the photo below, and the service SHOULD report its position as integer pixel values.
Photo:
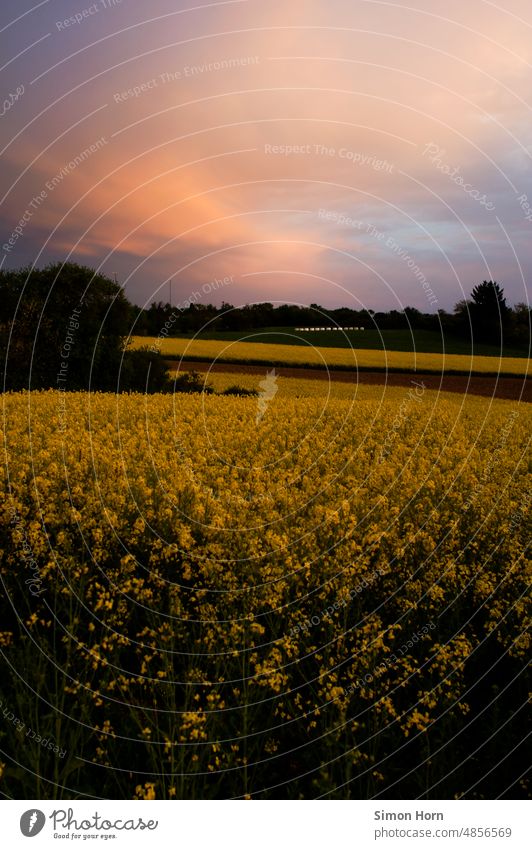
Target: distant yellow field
(245, 352)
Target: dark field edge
(171, 361)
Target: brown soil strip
(512, 388)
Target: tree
(490, 315)
(521, 326)
(143, 371)
(460, 323)
(63, 326)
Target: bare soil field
(510, 388)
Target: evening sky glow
(284, 145)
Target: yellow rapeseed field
(216, 598)
(303, 387)
(303, 355)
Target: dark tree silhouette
(522, 326)
(62, 326)
(490, 315)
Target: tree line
(485, 317)
(67, 327)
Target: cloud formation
(228, 128)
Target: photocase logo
(32, 822)
(268, 389)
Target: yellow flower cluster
(348, 358)
(211, 605)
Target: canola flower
(346, 358)
(223, 602)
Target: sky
(354, 153)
